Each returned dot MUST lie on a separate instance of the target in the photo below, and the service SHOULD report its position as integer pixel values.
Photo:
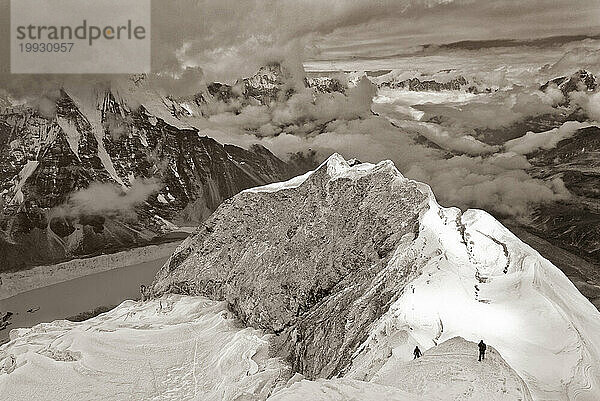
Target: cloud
(461, 20)
(447, 138)
(593, 106)
(589, 102)
(108, 199)
(498, 183)
(463, 170)
(482, 177)
(534, 141)
(579, 55)
(46, 104)
(497, 110)
(304, 111)
(228, 39)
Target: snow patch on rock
(90, 111)
(336, 167)
(24, 174)
(71, 132)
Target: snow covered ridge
(351, 266)
(453, 274)
(192, 348)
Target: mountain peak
(579, 80)
(349, 264)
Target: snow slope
(446, 372)
(479, 281)
(342, 390)
(451, 370)
(175, 348)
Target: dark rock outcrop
(325, 84)
(573, 224)
(271, 83)
(580, 80)
(415, 84)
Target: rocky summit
(579, 80)
(307, 261)
(350, 265)
(428, 85)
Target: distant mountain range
(48, 163)
(486, 44)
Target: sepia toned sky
(227, 38)
(452, 21)
(232, 33)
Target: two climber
(482, 347)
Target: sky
(229, 37)
(453, 21)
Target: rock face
(415, 84)
(573, 224)
(269, 84)
(325, 84)
(100, 140)
(580, 80)
(317, 256)
(353, 265)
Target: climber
(417, 352)
(143, 292)
(482, 348)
